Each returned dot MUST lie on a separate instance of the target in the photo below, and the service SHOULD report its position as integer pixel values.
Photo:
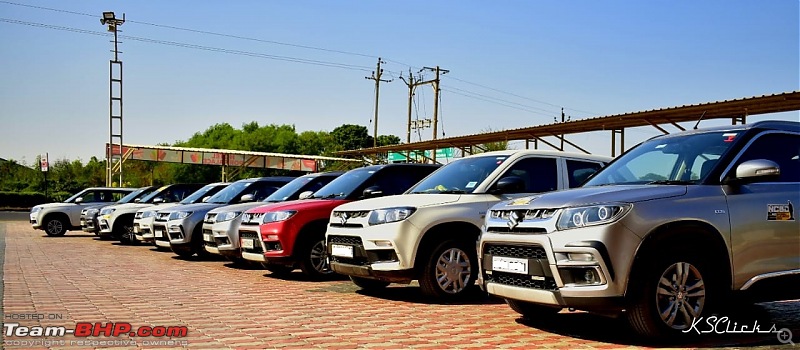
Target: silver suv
(664, 234)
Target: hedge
(29, 199)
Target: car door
(763, 215)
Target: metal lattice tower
(114, 157)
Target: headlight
(384, 216)
(106, 211)
(227, 216)
(35, 210)
(147, 214)
(275, 216)
(591, 215)
(177, 215)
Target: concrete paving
(63, 281)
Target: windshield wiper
(670, 182)
(452, 191)
(330, 195)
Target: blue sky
(517, 62)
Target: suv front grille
(515, 251)
(256, 242)
(537, 258)
(519, 230)
(162, 217)
(517, 280)
(359, 254)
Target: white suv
(430, 232)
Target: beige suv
(663, 235)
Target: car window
(261, 190)
(460, 176)
(539, 174)
(781, 148)
(578, 171)
(396, 180)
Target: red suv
(284, 236)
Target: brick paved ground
(83, 279)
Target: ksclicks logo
(724, 325)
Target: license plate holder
(248, 244)
(511, 265)
(345, 251)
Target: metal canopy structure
(236, 159)
(737, 110)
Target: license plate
(207, 237)
(513, 265)
(83, 222)
(136, 229)
(342, 250)
(159, 233)
(248, 243)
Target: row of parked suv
(667, 232)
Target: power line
(505, 101)
(286, 58)
(199, 31)
(498, 103)
(519, 96)
(194, 46)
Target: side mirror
(305, 195)
(246, 198)
(79, 200)
(158, 200)
(137, 200)
(757, 170)
(372, 191)
(205, 199)
(509, 184)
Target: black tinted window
(579, 171)
(396, 180)
(539, 174)
(783, 149)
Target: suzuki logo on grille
(344, 218)
(514, 218)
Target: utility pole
(411, 86)
(114, 152)
(435, 83)
(376, 75)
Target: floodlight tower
(114, 148)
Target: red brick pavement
(87, 280)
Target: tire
(314, 259)
(126, 235)
(54, 226)
(278, 270)
(674, 288)
(532, 311)
(183, 252)
(368, 284)
(450, 270)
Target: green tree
(385, 140)
(350, 136)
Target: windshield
(461, 176)
(75, 196)
(289, 190)
(135, 194)
(670, 160)
(149, 198)
(229, 193)
(198, 195)
(344, 185)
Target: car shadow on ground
(708, 333)
(413, 294)
(71, 235)
(297, 275)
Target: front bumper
(574, 268)
(222, 238)
(89, 225)
(383, 252)
(143, 229)
(160, 236)
(270, 243)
